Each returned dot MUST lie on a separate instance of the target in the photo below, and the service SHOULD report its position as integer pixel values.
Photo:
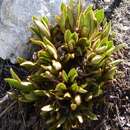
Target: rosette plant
(69, 70)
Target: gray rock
(15, 18)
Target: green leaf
(60, 121)
(45, 22)
(64, 76)
(79, 8)
(88, 97)
(47, 42)
(27, 86)
(71, 44)
(37, 42)
(74, 36)
(92, 116)
(40, 92)
(106, 30)
(63, 7)
(67, 95)
(84, 41)
(52, 51)
(23, 99)
(82, 90)
(89, 8)
(101, 49)
(67, 35)
(42, 28)
(13, 83)
(20, 60)
(72, 74)
(74, 87)
(70, 17)
(63, 17)
(14, 75)
(77, 99)
(45, 55)
(90, 22)
(111, 73)
(80, 118)
(47, 108)
(99, 15)
(36, 31)
(110, 51)
(81, 21)
(22, 86)
(61, 86)
(28, 64)
(57, 65)
(96, 59)
(73, 106)
(45, 19)
(31, 97)
(49, 67)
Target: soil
(113, 115)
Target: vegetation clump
(71, 67)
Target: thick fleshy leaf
(13, 82)
(74, 87)
(74, 36)
(101, 49)
(56, 65)
(67, 35)
(84, 42)
(80, 118)
(40, 93)
(70, 17)
(77, 99)
(14, 75)
(89, 8)
(45, 20)
(64, 76)
(106, 30)
(60, 121)
(111, 73)
(82, 90)
(79, 8)
(20, 60)
(37, 42)
(28, 64)
(99, 14)
(72, 74)
(52, 51)
(73, 106)
(61, 86)
(110, 51)
(31, 97)
(42, 28)
(92, 116)
(96, 59)
(67, 95)
(47, 108)
(47, 42)
(22, 86)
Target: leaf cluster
(70, 69)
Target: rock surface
(15, 18)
